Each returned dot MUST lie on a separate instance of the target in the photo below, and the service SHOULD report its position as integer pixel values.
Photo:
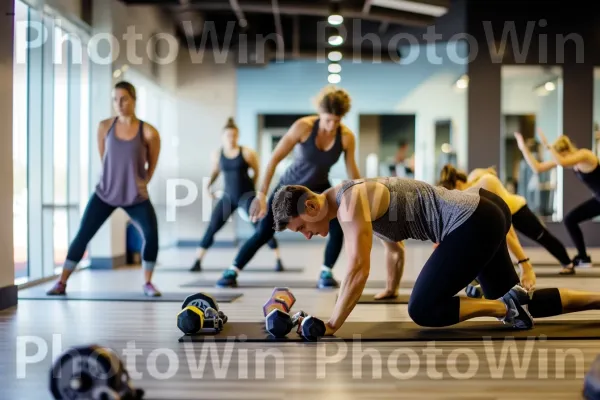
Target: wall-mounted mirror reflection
(531, 101)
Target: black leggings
(583, 212)
(97, 212)
(221, 213)
(266, 231)
(529, 225)
(476, 249)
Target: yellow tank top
(493, 184)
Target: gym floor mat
(39, 294)
(259, 269)
(409, 331)
(579, 273)
(370, 299)
(291, 283)
(557, 265)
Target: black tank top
(235, 173)
(311, 165)
(591, 180)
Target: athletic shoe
(517, 315)
(151, 291)
(229, 279)
(582, 261)
(326, 280)
(474, 291)
(59, 289)
(279, 266)
(197, 267)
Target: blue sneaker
(326, 280)
(517, 315)
(229, 279)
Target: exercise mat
(579, 273)
(39, 294)
(546, 264)
(370, 299)
(258, 269)
(409, 331)
(283, 282)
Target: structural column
(8, 290)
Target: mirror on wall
(444, 152)
(596, 125)
(387, 145)
(531, 100)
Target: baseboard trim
(108, 262)
(8, 296)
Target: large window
(51, 140)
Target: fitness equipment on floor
(92, 373)
(200, 312)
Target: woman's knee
(421, 312)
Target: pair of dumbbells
(200, 312)
(279, 323)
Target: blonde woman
(585, 165)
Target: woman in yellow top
(523, 219)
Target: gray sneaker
(517, 315)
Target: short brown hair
(449, 176)
(127, 87)
(333, 100)
(288, 203)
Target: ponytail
(449, 176)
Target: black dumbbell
(312, 328)
(279, 323)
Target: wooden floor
(35, 332)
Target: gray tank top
(311, 165)
(123, 180)
(418, 210)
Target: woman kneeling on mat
(470, 227)
(586, 166)
(126, 145)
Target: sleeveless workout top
(235, 174)
(123, 180)
(514, 201)
(311, 165)
(591, 180)
(418, 210)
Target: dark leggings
(97, 212)
(529, 225)
(221, 213)
(265, 232)
(583, 212)
(476, 249)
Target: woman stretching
(523, 219)
(470, 227)
(587, 168)
(126, 144)
(318, 142)
(234, 161)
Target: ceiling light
(550, 86)
(336, 40)
(412, 6)
(334, 56)
(334, 68)
(462, 82)
(335, 19)
(334, 78)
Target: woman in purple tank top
(129, 150)
(586, 166)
